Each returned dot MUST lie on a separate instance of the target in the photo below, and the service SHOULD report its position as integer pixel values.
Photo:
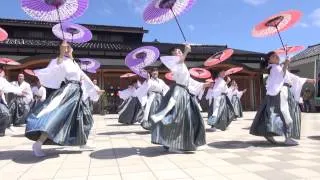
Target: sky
(210, 22)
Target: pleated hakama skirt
(183, 127)
(5, 118)
(269, 121)
(19, 111)
(155, 104)
(130, 111)
(223, 113)
(237, 106)
(63, 116)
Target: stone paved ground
(125, 152)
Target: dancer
(5, 116)
(63, 118)
(20, 105)
(278, 114)
(235, 95)
(209, 98)
(178, 122)
(39, 94)
(130, 111)
(156, 90)
(222, 111)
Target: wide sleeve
(89, 88)
(170, 62)
(125, 94)
(43, 93)
(165, 87)
(52, 76)
(7, 87)
(196, 88)
(28, 91)
(209, 94)
(239, 93)
(142, 93)
(296, 86)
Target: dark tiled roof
(54, 44)
(31, 23)
(164, 48)
(309, 52)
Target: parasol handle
(177, 21)
(60, 22)
(285, 49)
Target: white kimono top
(25, 87)
(54, 74)
(181, 75)
(127, 93)
(6, 87)
(276, 80)
(219, 87)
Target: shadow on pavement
(314, 138)
(27, 157)
(118, 153)
(125, 132)
(244, 144)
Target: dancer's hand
(187, 48)
(100, 92)
(312, 81)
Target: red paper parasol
(29, 72)
(289, 50)
(128, 75)
(3, 34)
(233, 71)
(200, 73)
(276, 24)
(219, 57)
(7, 61)
(169, 76)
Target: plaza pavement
(125, 152)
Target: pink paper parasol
(7, 61)
(29, 72)
(161, 11)
(73, 33)
(276, 24)
(233, 71)
(169, 76)
(289, 50)
(200, 73)
(3, 34)
(218, 57)
(140, 58)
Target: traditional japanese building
(307, 64)
(33, 44)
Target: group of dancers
(171, 114)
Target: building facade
(307, 64)
(33, 44)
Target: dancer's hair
(267, 59)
